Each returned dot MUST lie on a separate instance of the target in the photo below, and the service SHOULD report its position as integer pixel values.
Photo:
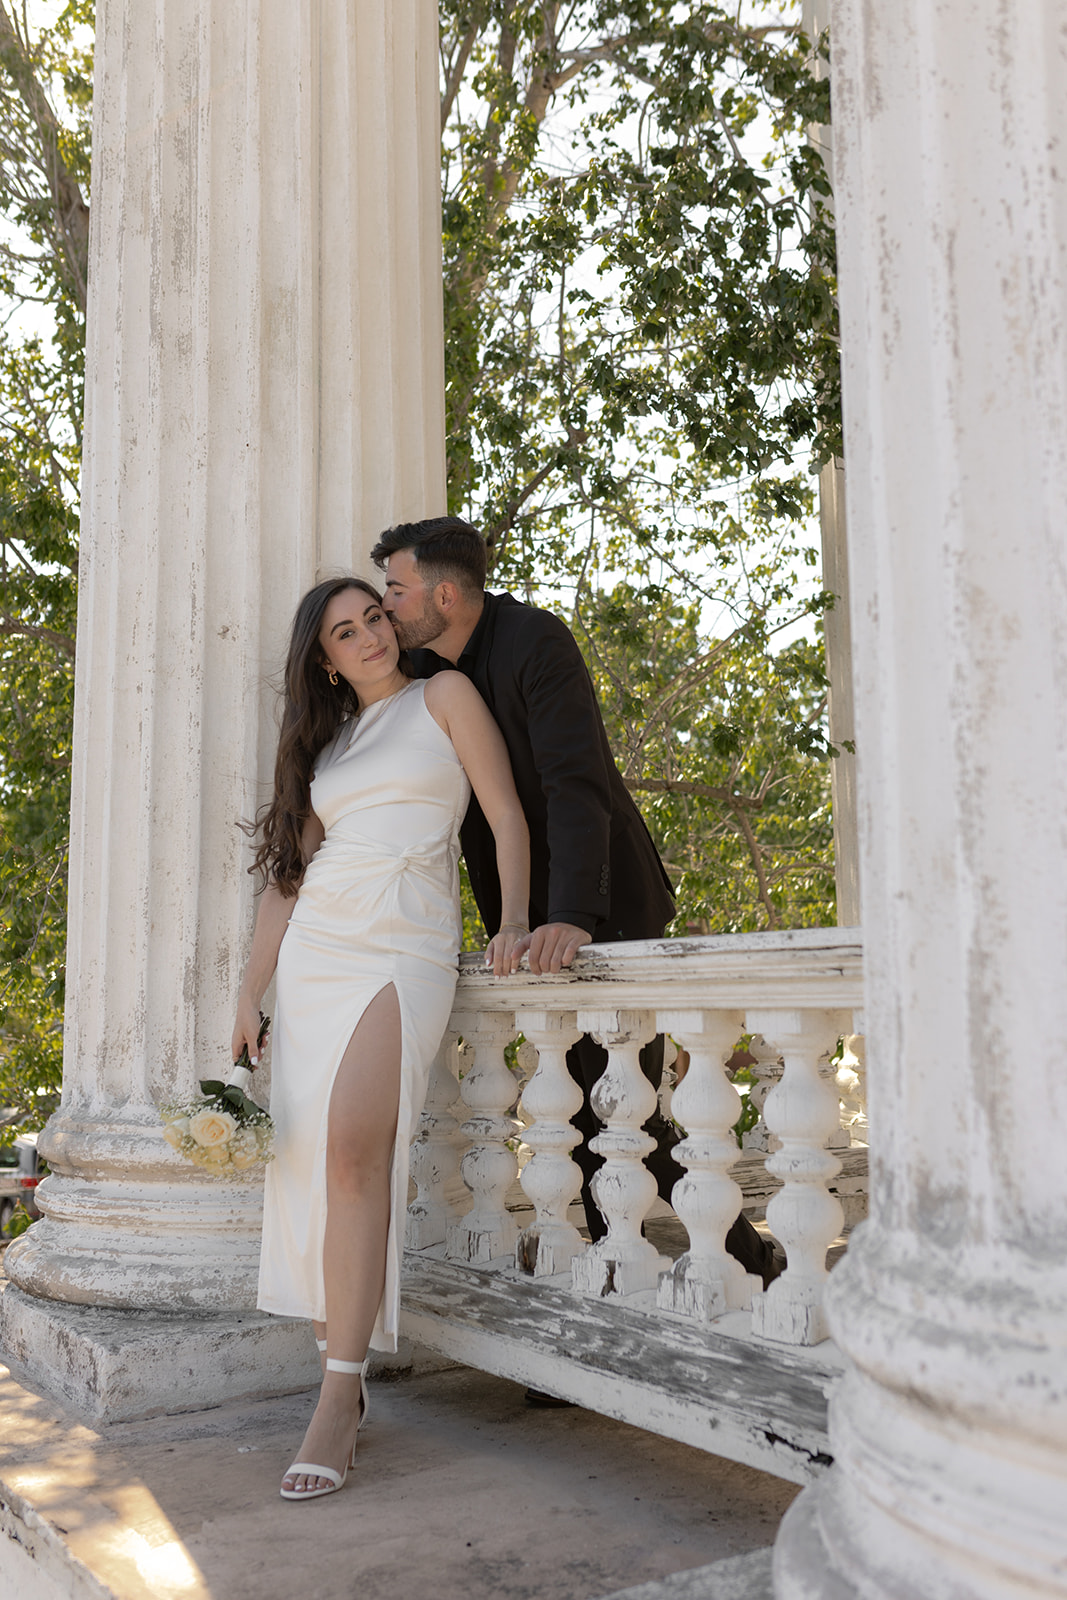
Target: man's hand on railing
(554, 945)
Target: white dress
(379, 904)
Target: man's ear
(446, 596)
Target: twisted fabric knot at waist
(425, 856)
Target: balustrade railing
(792, 1001)
(794, 995)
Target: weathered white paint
(550, 1179)
(110, 1365)
(489, 1167)
(950, 1437)
(706, 1280)
(802, 987)
(802, 1111)
(435, 1153)
(264, 395)
(623, 1188)
(841, 711)
(709, 1386)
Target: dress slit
(391, 983)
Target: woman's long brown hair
(313, 710)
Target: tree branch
(70, 212)
(703, 791)
(455, 76)
(756, 853)
(11, 627)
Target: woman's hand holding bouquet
(225, 1131)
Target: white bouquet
(225, 1131)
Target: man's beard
(413, 635)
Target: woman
(360, 916)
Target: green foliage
(722, 741)
(37, 590)
(638, 266)
(45, 95)
(18, 1222)
(641, 373)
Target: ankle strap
(344, 1366)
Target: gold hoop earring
(331, 673)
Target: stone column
(837, 632)
(265, 393)
(950, 1434)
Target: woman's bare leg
(359, 1146)
(319, 1329)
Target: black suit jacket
(592, 859)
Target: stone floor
(462, 1492)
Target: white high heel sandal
(351, 1366)
(311, 1469)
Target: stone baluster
(802, 1110)
(624, 1189)
(706, 1280)
(766, 1069)
(550, 1179)
(435, 1153)
(487, 1230)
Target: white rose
(173, 1135)
(212, 1128)
(216, 1155)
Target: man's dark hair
(443, 547)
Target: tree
(642, 367)
(719, 753)
(44, 167)
(642, 370)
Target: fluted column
(950, 1435)
(264, 394)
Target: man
(595, 874)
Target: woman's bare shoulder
(453, 701)
(449, 688)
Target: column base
(119, 1366)
(803, 1565)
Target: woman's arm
(272, 919)
(459, 709)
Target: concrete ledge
(120, 1366)
(35, 1560)
(758, 1403)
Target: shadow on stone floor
(462, 1492)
